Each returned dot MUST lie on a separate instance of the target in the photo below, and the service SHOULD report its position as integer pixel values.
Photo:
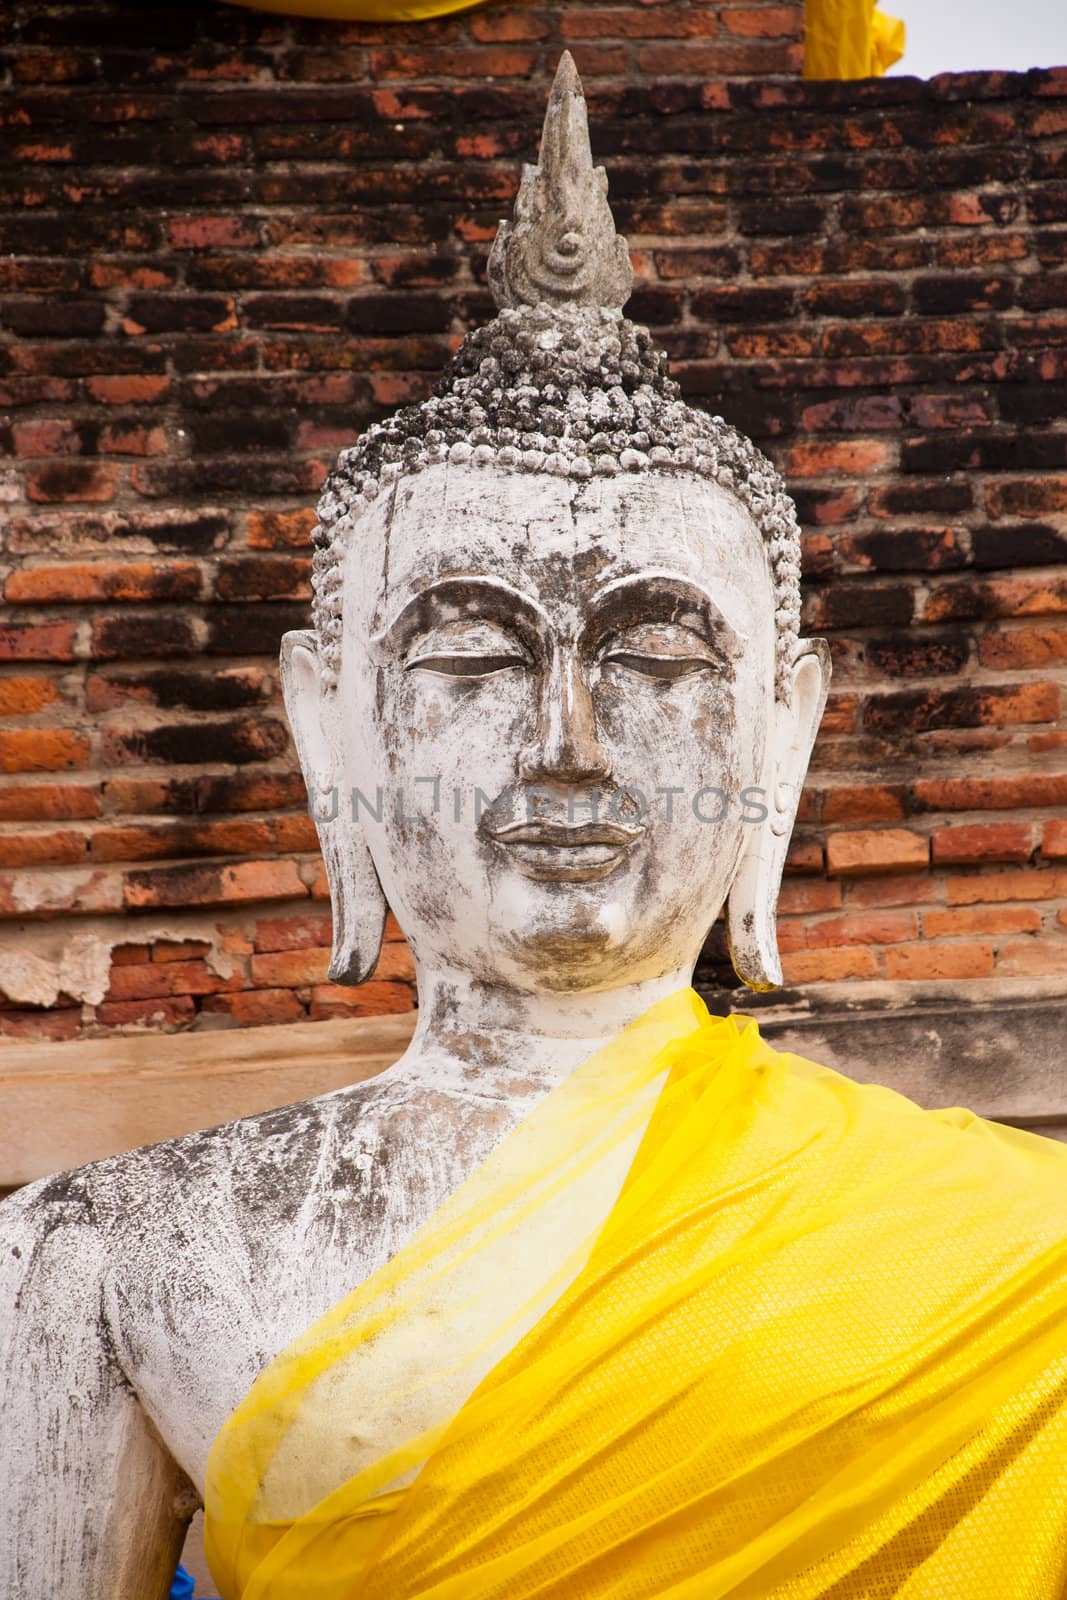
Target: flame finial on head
(561, 248)
(560, 383)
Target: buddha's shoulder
(340, 1154)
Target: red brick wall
(229, 241)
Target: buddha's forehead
(557, 539)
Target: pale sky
(965, 35)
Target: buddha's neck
(494, 1039)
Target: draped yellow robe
(713, 1321)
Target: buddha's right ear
(356, 897)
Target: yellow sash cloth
(850, 39)
(713, 1321)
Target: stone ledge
(996, 1049)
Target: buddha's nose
(567, 747)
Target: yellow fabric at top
(714, 1321)
(360, 10)
(842, 38)
(849, 39)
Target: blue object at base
(182, 1587)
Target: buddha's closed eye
(467, 650)
(662, 650)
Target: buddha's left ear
(752, 907)
(356, 897)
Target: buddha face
(552, 717)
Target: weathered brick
(132, 439)
(255, 1008)
(486, 62)
(969, 706)
(143, 634)
(296, 833)
(290, 968)
(764, 21)
(935, 497)
(866, 803)
(1032, 958)
(929, 962)
(856, 605)
(798, 896)
(370, 999)
(300, 931)
(91, 481)
(916, 655)
(853, 414)
(1018, 545)
(25, 849)
(180, 949)
(250, 791)
(281, 530)
(1021, 883)
(226, 690)
(52, 1025)
(902, 889)
(804, 855)
(983, 841)
(991, 450)
(156, 980)
(134, 390)
(43, 749)
(980, 919)
(1054, 839)
(252, 629)
(859, 457)
(829, 966)
(937, 296)
(173, 313)
(49, 319)
(851, 928)
(52, 436)
(905, 549)
(24, 697)
(163, 841)
(105, 580)
(213, 233)
(1011, 793)
(1000, 597)
(839, 715)
(264, 578)
(1027, 497)
(156, 1014)
(49, 802)
(877, 850)
(213, 885)
(193, 743)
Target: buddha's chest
(217, 1290)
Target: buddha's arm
(92, 1507)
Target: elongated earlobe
(752, 907)
(356, 901)
(356, 897)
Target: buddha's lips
(566, 854)
(542, 831)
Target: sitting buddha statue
(591, 1295)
